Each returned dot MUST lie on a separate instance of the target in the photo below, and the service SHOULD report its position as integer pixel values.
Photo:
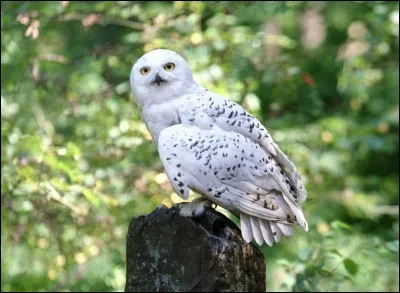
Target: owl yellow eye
(169, 66)
(144, 70)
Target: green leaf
(351, 266)
(94, 200)
(58, 165)
(339, 225)
(335, 251)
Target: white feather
(276, 231)
(256, 231)
(245, 226)
(266, 232)
(286, 229)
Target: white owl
(213, 146)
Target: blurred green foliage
(77, 163)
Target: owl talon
(195, 208)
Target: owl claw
(195, 208)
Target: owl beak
(158, 80)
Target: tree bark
(167, 252)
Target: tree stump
(168, 252)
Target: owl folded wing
(207, 110)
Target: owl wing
(235, 172)
(205, 110)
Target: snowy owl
(213, 146)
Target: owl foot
(195, 208)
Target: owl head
(158, 76)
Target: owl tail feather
(263, 231)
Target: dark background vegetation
(77, 163)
